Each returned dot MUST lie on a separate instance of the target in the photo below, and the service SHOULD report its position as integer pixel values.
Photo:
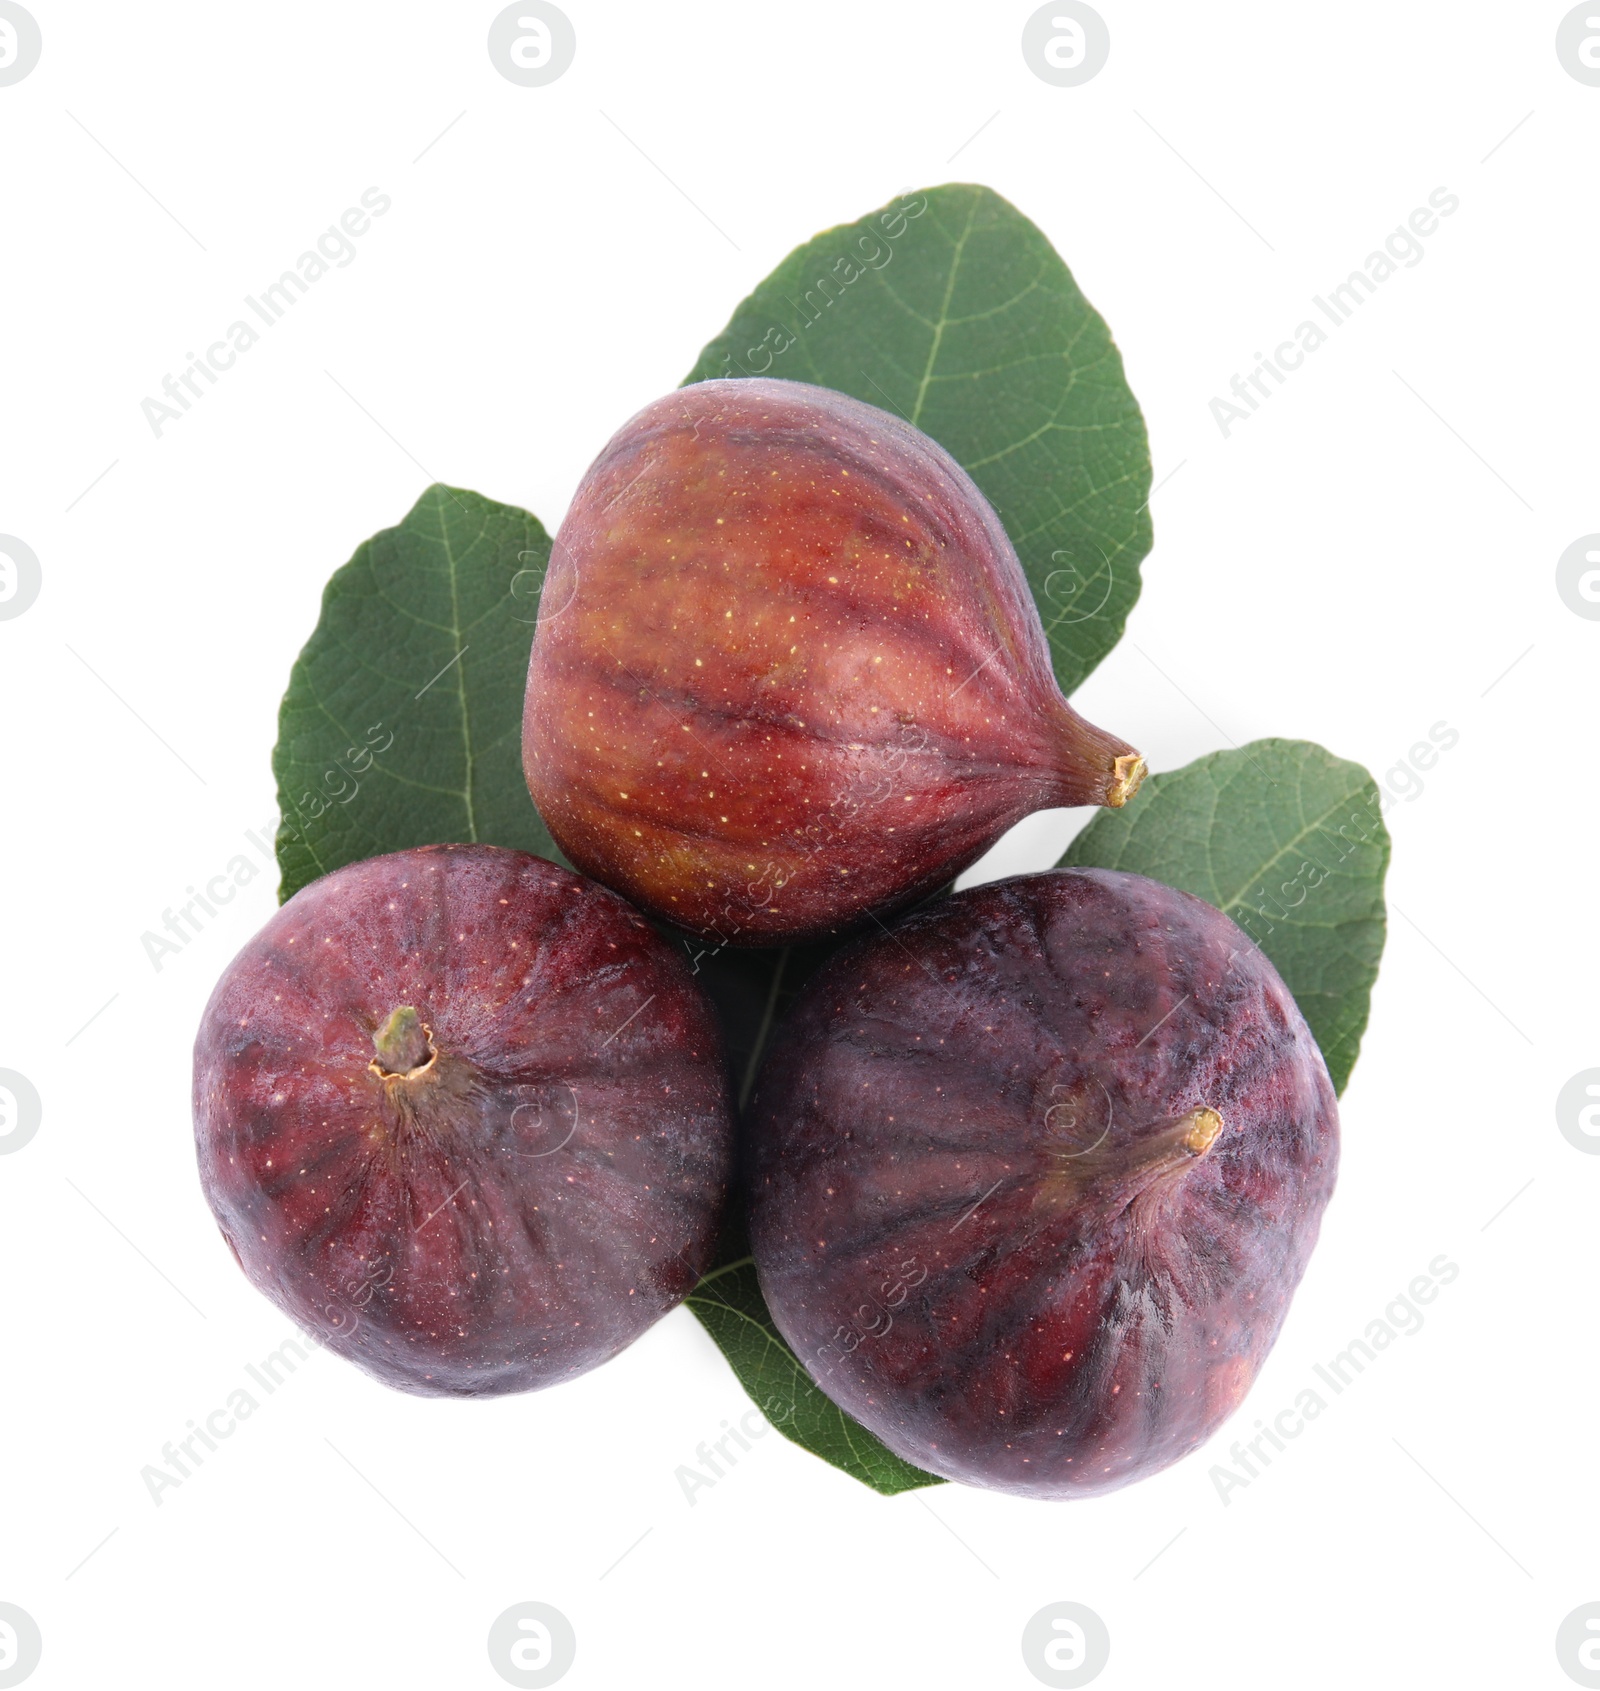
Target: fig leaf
(402, 725)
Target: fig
(787, 672)
(463, 1116)
(1035, 1174)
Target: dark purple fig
(463, 1115)
(1036, 1174)
(787, 671)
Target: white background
(1347, 567)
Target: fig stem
(402, 1043)
(1201, 1128)
(1126, 775)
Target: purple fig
(787, 672)
(463, 1115)
(1035, 1175)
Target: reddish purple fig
(1035, 1176)
(787, 671)
(463, 1115)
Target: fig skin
(788, 672)
(1035, 1175)
(463, 1116)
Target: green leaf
(952, 309)
(1289, 841)
(402, 725)
(729, 1303)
